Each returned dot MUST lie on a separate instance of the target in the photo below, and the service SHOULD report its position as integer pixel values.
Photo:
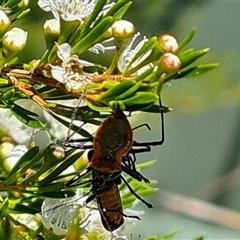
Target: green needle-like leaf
(186, 40)
(20, 114)
(23, 163)
(117, 90)
(195, 71)
(86, 26)
(119, 9)
(187, 59)
(82, 132)
(64, 165)
(92, 37)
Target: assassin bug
(108, 200)
(105, 191)
(115, 130)
(110, 155)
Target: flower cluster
(68, 10)
(70, 72)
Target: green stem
(114, 62)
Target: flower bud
(51, 30)
(168, 43)
(14, 41)
(123, 29)
(169, 62)
(58, 151)
(4, 22)
(51, 27)
(109, 33)
(23, 4)
(40, 138)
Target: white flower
(106, 8)
(7, 10)
(57, 214)
(69, 10)
(28, 220)
(70, 72)
(40, 138)
(14, 128)
(99, 47)
(95, 224)
(16, 153)
(130, 52)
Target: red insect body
(113, 140)
(109, 156)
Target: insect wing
(113, 140)
(110, 205)
(105, 190)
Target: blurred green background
(197, 167)
(200, 157)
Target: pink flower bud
(168, 43)
(170, 62)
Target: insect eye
(108, 158)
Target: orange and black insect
(109, 201)
(106, 193)
(110, 155)
(105, 190)
(111, 146)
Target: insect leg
(89, 199)
(144, 148)
(72, 182)
(142, 125)
(135, 174)
(128, 167)
(78, 143)
(122, 213)
(149, 205)
(159, 142)
(74, 116)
